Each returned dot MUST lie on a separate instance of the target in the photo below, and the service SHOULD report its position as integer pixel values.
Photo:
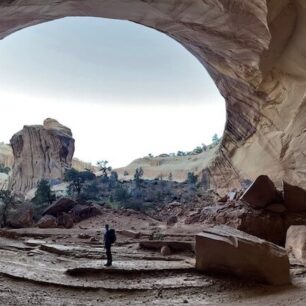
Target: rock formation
(40, 152)
(253, 50)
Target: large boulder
(60, 206)
(261, 193)
(84, 211)
(40, 152)
(19, 215)
(47, 221)
(294, 198)
(65, 220)
(172, 220)
(296, 242)
(223, 249)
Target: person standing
(109, 239)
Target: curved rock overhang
(255, 52)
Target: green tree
(138, 175)
(102, 165)
(197, 150)
(43, 193)
(180, 153)
(77, 180)
(215, 139)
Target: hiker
(109, 239)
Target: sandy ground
(35, 265)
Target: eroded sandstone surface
(253, 50)
(40, 152)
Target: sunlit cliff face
(253, 51)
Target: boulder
(65, 220)
(223, 249)
(294, 198)
(131, 234)
(60, 206)
(277, 208)
(165, 250)
(261, 193)
(172, 220)
(296, 242)
(47, 221)
(20, 215)
(84, 211)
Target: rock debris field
(66, 267)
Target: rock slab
(261, 193)
(223, 249)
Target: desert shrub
(197, 150)
(4, 169)
(192, 178)
(6, 196)
(121, 194)
(157, 236)
(90, 191)
(113, 179)
(170, 176)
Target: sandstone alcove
(252, 50)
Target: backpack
(112, 236)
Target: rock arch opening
(259, 70)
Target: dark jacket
(107, 242)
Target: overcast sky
(125, 90)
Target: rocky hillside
(81, 165)
(161, 166)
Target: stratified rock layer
(253, 50)
(40, 152)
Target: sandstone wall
(253, 50)
(40, 152)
